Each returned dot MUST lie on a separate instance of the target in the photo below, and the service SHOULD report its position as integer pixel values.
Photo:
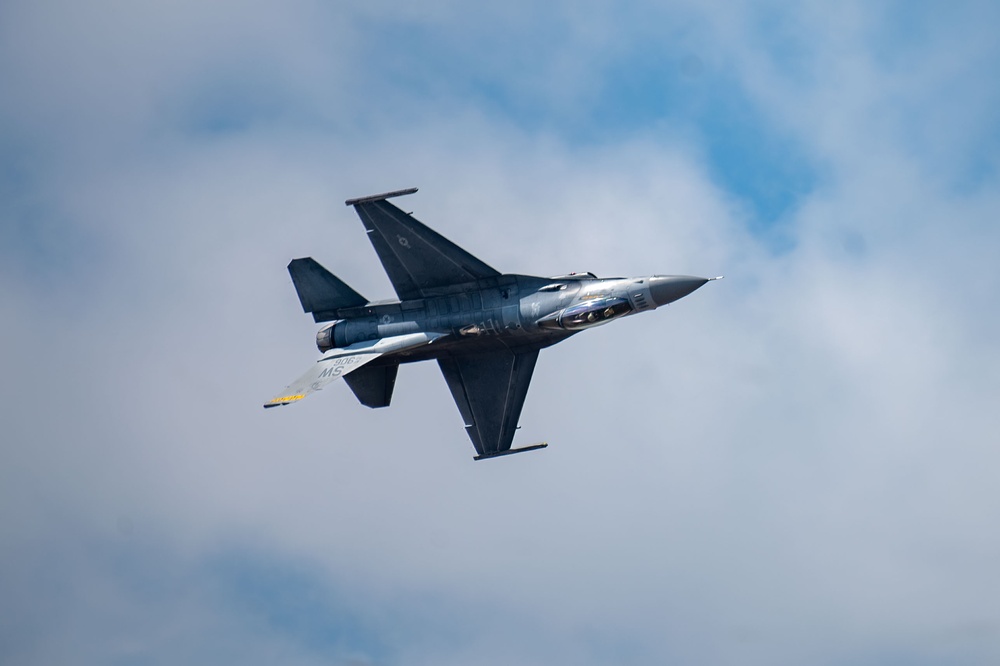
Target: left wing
(415, 257)
(337, 363)
(489, 389)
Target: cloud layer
(794, 465)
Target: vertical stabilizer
(373, 385)
(321, 292)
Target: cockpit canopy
(587, 314)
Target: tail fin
(321, 292)
(373, 385)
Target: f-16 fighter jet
(483, 327)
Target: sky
(796, 464)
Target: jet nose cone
(668, 288)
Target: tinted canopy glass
(592, 313)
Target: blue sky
(794, 465)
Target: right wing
(338, 362)
(489, 389)
(415, 257)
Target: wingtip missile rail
(510, 452)
(380, 197)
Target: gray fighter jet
(483, 327)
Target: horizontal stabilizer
(338, 363)
(321, 292)
(330, 367)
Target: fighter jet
(483, 327)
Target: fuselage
(483, 327)
(516, 311)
